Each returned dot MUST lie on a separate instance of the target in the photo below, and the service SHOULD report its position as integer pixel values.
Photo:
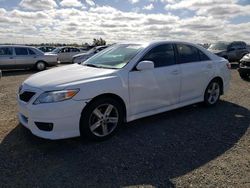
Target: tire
(101, 119)
(40, 66)
(212, 93)
(244, 76)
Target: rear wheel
(101, 119)
(212, 93)
(40, 66)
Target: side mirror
(145, 65)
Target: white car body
(144, 93)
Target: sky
(70, 21)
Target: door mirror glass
(145, 65)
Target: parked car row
(22, 57)
(232, 51)
(19, 57)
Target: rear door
(196, 70)
(23, 58)
(6, 57)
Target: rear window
(21, 51)
(5, 51)
(31, 52)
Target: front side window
(21, 51)
(5, 51)
(162, 55)
(187, 53)
(115, 57)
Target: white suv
(120, 84)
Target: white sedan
(120, 84)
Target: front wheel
(212, 93)
(101, 119)
(40, 66)
(244, 76)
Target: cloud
(133, 1)
(71, 3)
(71, 24)
(215, 8)
(90, 2)
(148, 7)
(38, 4)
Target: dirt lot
(189, 147)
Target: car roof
(22, 46)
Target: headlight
(56, 96)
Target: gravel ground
(189, 147)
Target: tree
(99, 42)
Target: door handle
(11, 57)
(175, 72)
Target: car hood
(66, 76)
(81, 55)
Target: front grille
(26, 96)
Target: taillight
(228, 65)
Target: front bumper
(65, 117)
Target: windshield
(218, 46)
(114, 57)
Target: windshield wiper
(92, 65)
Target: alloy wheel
(103, 120)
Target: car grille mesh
(26, 96)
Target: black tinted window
(5, 51)
(31, 52)
(21, 51)
(203, 57)
(74, 50)
(187, 53)
(162, 55)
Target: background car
(244, 67)
(65, 54)
(84, 56)
(46, 48)
(233, 51)
(121, 84)
(20, 57)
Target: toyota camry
(120, 84)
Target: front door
(156, 88)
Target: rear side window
(162, 55)
(21, 51)
(187, 53)
(203, 57)
(5, 51)
(31, 52)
